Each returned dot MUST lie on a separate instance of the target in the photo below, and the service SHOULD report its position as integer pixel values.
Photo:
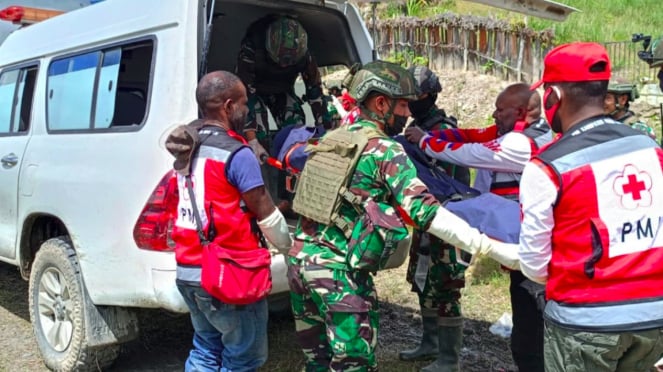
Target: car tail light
(154, 225)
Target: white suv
(86, 101)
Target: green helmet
(384, 77)
(286, 41)
(619, 88)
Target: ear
(557, 94)
(623, 99)
(228, 106)
(522, 112)
(381, 103)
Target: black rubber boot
(450, 342)
(427, 349)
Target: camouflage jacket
(636, 123)
(383, 173)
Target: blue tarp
(493, 215)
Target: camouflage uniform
(332, 293)
(636, 123)
(446, 277)
(653, 55)
(269, 61)
(436, 273)
(335, 307)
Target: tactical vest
(323, 184)
(323, 188)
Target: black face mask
(397, 127)
(660, 79)
(421, 108)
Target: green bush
(407, 58)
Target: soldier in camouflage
(657, 59)
(273, 53)
(333, 298)
(436, 273)
(617, 102)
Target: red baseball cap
(575, 62)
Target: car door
(16, 92)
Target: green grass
(598, 20)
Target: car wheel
(57, 297)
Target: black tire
(58, 315)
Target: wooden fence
(449, 41)
(626, 66)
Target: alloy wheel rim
(54, 307)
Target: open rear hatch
(336, 33)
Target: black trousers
(527, 333)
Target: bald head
(534, 107)
(214, 89)
(518, 94)
(511, 106)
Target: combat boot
(450, 342)
(427, 349)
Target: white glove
(455, 231)
(276, 231)
(258, 150)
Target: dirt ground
(166, 338)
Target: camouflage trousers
(336, 317)
(286, 109)
(445, 277)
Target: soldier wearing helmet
(617, 102)
(657, 59)
(333, 298)
(436, 273)
(274, 52)
(653, 55)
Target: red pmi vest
(606, 269)
(218, 200)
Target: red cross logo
(633, 187)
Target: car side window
(71, 91)
(16, 93)
(110, 68)
(100, 90)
